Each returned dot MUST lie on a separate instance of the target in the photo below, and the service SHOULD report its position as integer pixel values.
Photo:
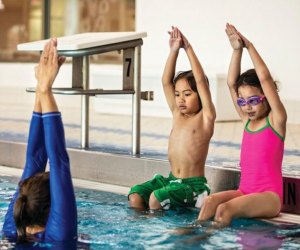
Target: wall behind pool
(272, 25)
(109, 77)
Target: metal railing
(131, 84)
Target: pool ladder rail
(145, 95)
(86, 93)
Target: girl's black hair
(249, 78)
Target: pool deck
(113, 132)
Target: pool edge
(16, 172)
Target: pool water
(106, 222)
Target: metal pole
(46, 19)
(136, 102)
(85, 104)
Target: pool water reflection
(106, 222)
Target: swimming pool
(106, 222)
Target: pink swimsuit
(261, 161)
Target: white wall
(272, 25)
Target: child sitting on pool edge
(255, 97)
(193, 112)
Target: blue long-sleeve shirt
(47, 141)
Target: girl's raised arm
(278, 116)
(234, 70)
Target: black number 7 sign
(128, 68)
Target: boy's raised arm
(169, 70)
(201, 80)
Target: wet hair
(250, 78)
(33, 203)
(189, 76)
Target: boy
(189, 100)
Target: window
(23, 21)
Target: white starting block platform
(84, 40)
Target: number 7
(128, 68)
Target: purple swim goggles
(252, 101)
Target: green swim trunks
(172, 192)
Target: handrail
(90, 92)
(145, 95)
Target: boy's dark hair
(33, 203)
(189, 76)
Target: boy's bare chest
(187, 132)
(187, 125)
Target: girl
(255, 97)
(43, 207)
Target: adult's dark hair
(189, 76)
(33, 203)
